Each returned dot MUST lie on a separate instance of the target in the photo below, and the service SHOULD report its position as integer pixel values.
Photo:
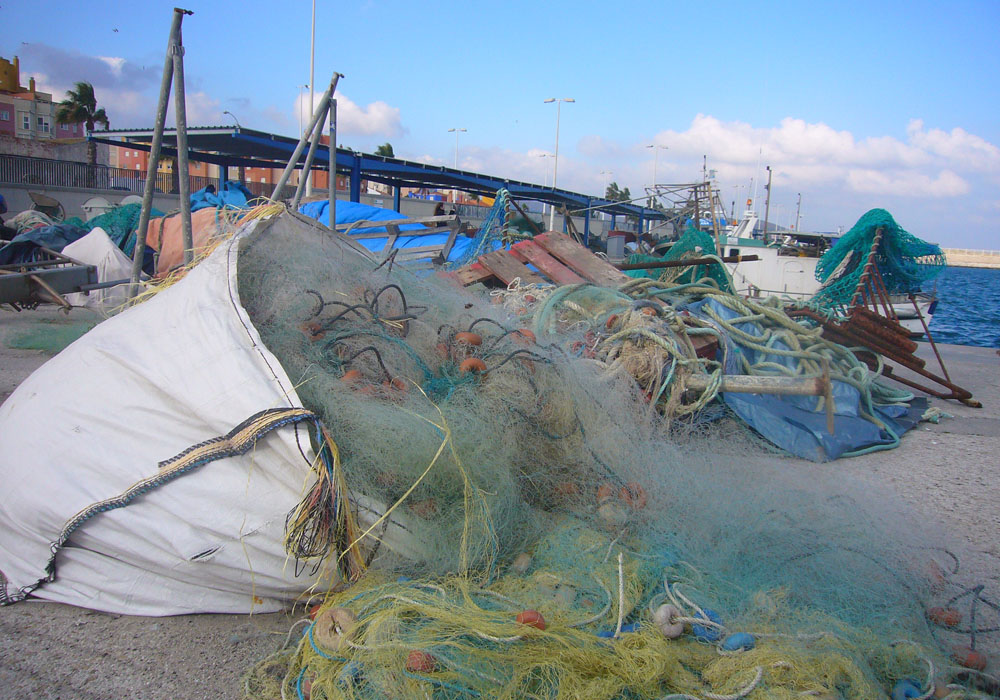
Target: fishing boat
(786, 267)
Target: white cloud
(907, 183)
(956, 145)
(378, 118)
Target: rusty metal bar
(869, 263)
(930, 338)
(684, 263)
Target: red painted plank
(531, 252)
(507, 268)
(581, 260)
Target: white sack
(97, 248)
(183, 367)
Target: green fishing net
(527, 516)
(692, 244)
(904, 261)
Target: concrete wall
(962, 257)
(73, 199)
(40, 148)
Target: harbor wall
(963, 257)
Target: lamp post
(312, 83)
(555, 164)
(238, 126)
(656, 162)
(545, 179)
(457, 131)
(607, 180)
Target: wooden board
(507, 268)
(531, 252)
(580, 260)
(470, 274)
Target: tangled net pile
(528, 528)
(904, 261)
(694, 243)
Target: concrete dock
(946, 472)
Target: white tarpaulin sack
(150, 467)
(97, 248)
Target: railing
(25, 170)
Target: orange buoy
(604, 492)
(313, 610)
(530, 298)
(425, 509)
(442, 350)
(946, 617)
(612, 320)
(566, 489)
(420, 662)
(469, 338)
(531, 618)
(396, 383)
(351, 376)
(312, 330)
(524, 336)
(968, 657)
(472, 364)
(633, 494)
(648, 311)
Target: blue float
(740, 641)
(906, 689)
(704, 633)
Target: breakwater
(962, 257)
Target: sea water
(968, 311)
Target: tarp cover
(97, 248)
(184, 367)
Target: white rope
(621, 597)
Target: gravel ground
(947, 473)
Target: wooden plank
(581, 260)
(507, 268)
(531, 252)
(446, 248)
(470, 274)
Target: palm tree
(79, 106)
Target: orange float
(469, 338)
(420, 662)
(604, 492)
(633, 494)
(312, 330)
(531, 618)
(472, 364)
(396, 383)
(524, 336)
(612, 320)
(968, 657)
(946, 617)
(648, 311)
(351, 376)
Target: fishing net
(528, 527)
(693, 243)
(904, 261)
(497, 230)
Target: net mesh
(904, 261)
(526, 516)
(693, 243)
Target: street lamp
(226, 111)
(555, 164)
(457, 131)
(607, 180)
(656, 158)
(545, 179)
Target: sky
(853, 105)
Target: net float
(946, 617)
(970, 658)
(472, 364)
(664, 617)
(425, 509)
(333, 627)
(612, 320)
(469, 338)
(707, 633)
(313, 330)
(604, 493)
(739, 641)
(442, 350)
(396, 383)
(351, 376)
(530, 298)
(566, 489)
(531, 618)
(633, 494)
(420, 662)
(524, 336)
(648, 311)
(521, 563)
(314, 610)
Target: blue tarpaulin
(233, 195)
(25, 247)
(796, 423)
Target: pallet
(558, 259)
